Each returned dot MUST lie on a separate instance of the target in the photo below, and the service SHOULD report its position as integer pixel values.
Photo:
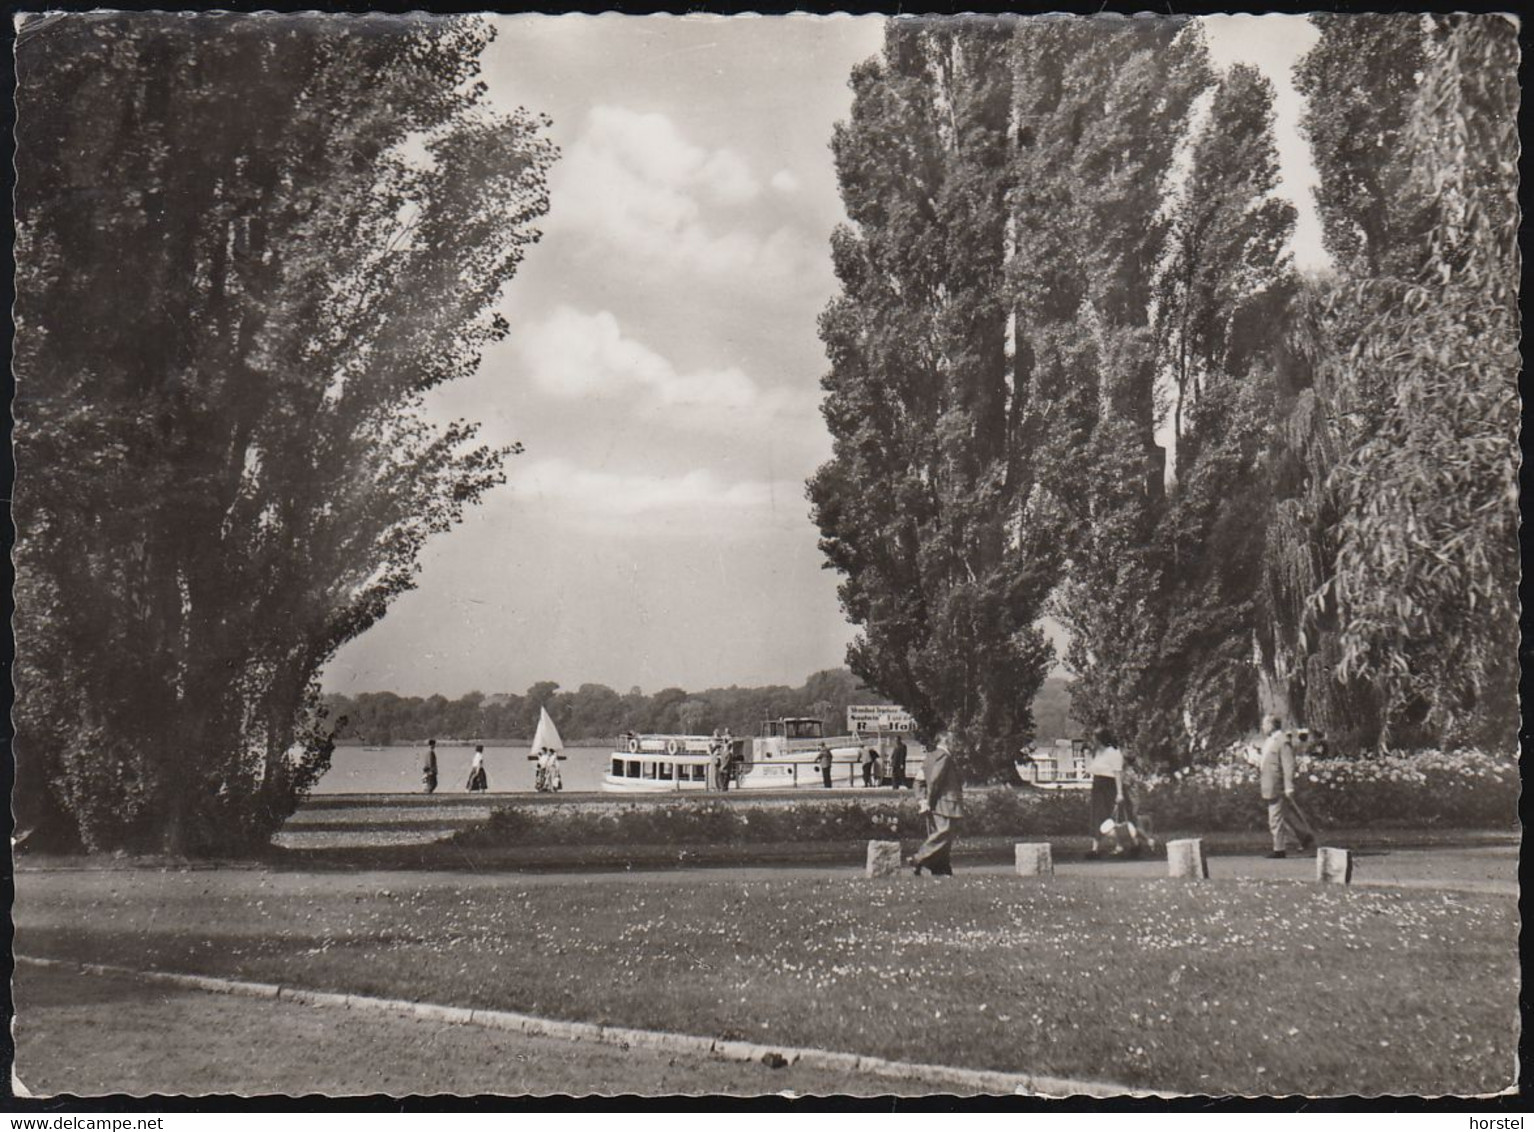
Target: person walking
(546, 773)
(823, 761)
(1276, 771)
(479, 782)
(897, 763)
(429, 767)
(1107, 770)
(943, 803)
(867, 759)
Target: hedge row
(1430, 789)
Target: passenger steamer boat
(781, 757)
(1061, 765)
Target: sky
(663, 369)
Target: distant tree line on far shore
(595, 711)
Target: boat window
(633, 768)
(665, 770)
(804, 728)
(617, 768)
(649, 770)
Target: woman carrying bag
(1112, 808)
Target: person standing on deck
(823, 761)
(943, 803)
(719, 756)
(429, 767)
(868, 757)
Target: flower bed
(1466, 789)
(1469, 790)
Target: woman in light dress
(479, 782)
(1111, 802)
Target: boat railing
(671, 744)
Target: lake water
(397, 770)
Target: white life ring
(633, 746)
(674, 747)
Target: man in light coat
(943, 803)
(1276, 769)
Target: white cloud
(572, 354)
(633, 184)
(699, 495)
(785, 182)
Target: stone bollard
(1334, 866)
(1185, 858)
(883, 858)
(1034, 859)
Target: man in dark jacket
(429, 767)
(823, 761)
(943, 803)
(897, 763)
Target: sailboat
(545, 751)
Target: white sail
(547, 734)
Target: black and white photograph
(847, 556)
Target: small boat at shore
(547, 750)
(781, 757)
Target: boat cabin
(660, 770)
(797, 728)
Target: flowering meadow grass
(1218, 987)
(1425, 790)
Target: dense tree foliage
(247, 247)
(1416, 357)
(919, 506)
(1072, 368)
(1104, 104)
(991, 357)
(1223, 290)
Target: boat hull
(684, 764)
(779, 776)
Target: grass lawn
(110, 1034)
(1220, 987)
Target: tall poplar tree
(1102, 106)
(247, 248)
(1223, 299)
(917, 507)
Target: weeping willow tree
(1394, 566)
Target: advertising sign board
(867, 719)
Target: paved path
(1490, 869)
